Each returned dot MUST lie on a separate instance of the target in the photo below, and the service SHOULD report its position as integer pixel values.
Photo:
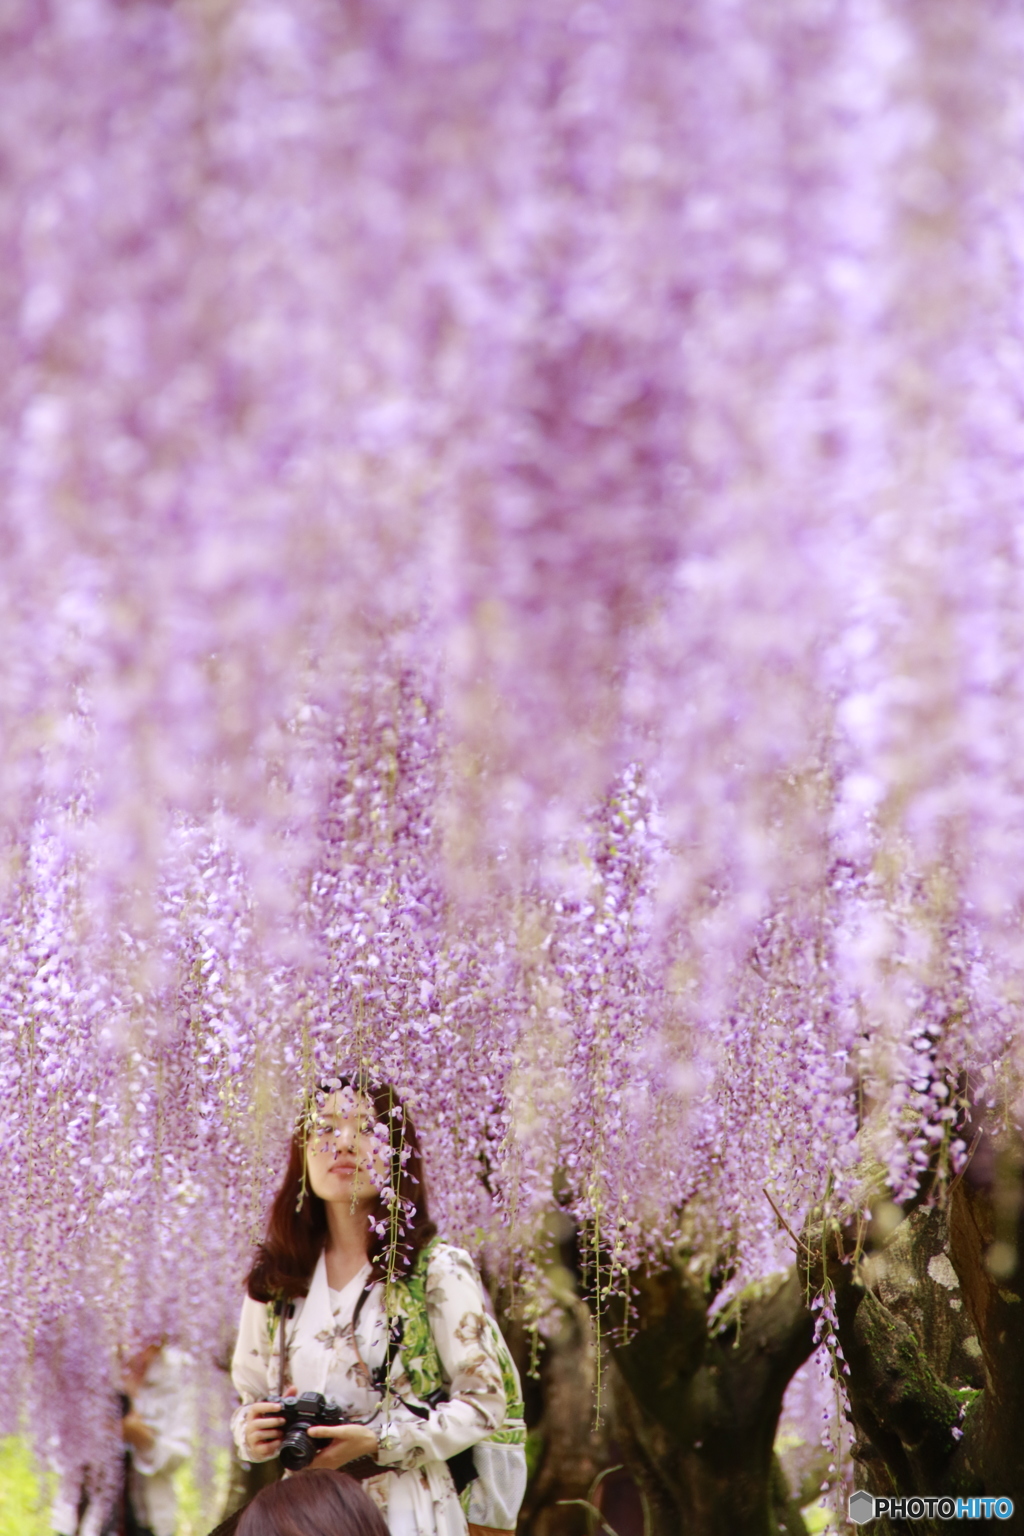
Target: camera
(301, 1414)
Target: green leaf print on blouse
(414, 1300)
(420, 1360)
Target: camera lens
(297, 1449)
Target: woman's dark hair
(316, 1503)
(297, 1228)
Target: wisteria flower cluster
(510, 582)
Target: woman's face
(347, 1150)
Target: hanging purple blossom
(511, 579)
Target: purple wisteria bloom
(510, 579)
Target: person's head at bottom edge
(316, 1503)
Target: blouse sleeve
(469, 1359)
(250, 1369)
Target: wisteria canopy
(510, 575)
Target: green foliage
(199, 1505)
(24, 1495)
(819, 1518)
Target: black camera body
(301, 1414)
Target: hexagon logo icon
(862, 1506)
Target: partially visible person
(156, 1428)
(319, 1503)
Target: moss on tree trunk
(931, 1322)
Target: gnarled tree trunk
(696, 1404)
(932, 1327)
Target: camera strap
(461, 1466)
(367, 1373)
(282, 1356)
(380, 1377)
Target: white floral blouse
(324, 1354)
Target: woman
(316, 1504)
(379, 1314)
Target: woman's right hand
(263, 1431)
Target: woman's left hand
(348, 1442)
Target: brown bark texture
(696, 1402)
(931, 1321)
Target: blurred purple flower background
(510, 573)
